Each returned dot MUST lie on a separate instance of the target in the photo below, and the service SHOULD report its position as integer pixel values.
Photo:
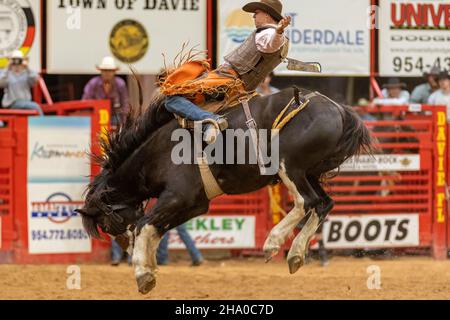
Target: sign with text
(371, 231)
(58, 173)
(382, 162)
(414, 36)
(134, 32)
(218, 232)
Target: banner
(373, 231)
(135, 32)
(58, 173)
(20, 29)
(218, 232)
(338, 39)
(382, 162)
(414, 36)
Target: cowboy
(109, 87)
(394, 93)
(245, 68)
(422, 92)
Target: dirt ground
(344, 278)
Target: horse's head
(104, 210)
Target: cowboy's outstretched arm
(283, 24)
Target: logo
(239, 25)
(58, 208)
(17, 28)
(129, 41)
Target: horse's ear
(83, 212)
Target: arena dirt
(344, 278)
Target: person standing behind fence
(109, 87)
(162, 254)
(394, 93)
(17, 80)
(422, 92)
(442, 96)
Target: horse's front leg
(149, 232)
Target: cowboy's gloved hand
(283, 24)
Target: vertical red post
(439, 226)
(209, 28)
(372, 54)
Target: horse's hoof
(295, 263)
(146, 283)
(269, 254)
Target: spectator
(17, 80)
(442, 96)
(162, 255)
(394, 93)
(422, 92)
(109, 87)
(265, 88)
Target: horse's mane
(138, 127)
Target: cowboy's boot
(211, 132)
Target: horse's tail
(356, 137)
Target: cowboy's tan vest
(252, 65)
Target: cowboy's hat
(273, 7)
(108, 63)
(444, 75)
(394, 83)
(17, 54)
(435, 71)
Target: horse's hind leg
(300, 244)
(294, 181)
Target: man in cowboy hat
(109, 87)
(244, 68)
(394, 93)
(442, 96)
(422, 92)
(18, 79)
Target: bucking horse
(136, 166)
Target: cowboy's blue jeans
(186, 109)
(162, 255)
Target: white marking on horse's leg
(284, 228)
(144, 253)
(299, 248)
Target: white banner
(371, 231)
(382, 162)
(58, 173)
(218, 232)
(135, 32)
(414, 36)
(20, 29)
(320, 31)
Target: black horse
(137, 166)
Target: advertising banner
(382, 162)
(414, 36)
(218, 232)
(373, 231)
(137, 32)
(58, 173)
